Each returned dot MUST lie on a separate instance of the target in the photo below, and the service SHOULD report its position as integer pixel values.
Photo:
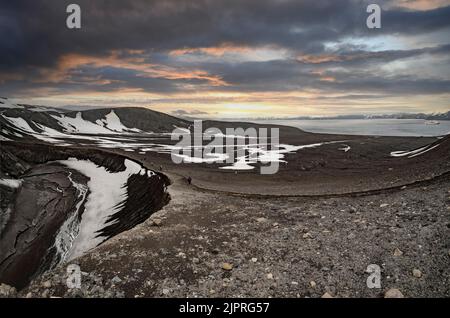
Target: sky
(229, 58)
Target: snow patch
(6, 103)
(11, 183)
(20, 123)
(107, 190)
(68, 232)
(413, 153)
(345, 148)
(80, 125)
(112, 122)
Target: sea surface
(379, 127)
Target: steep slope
(140, 118)
(57, 203)
(24, 121)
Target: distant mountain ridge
(435, 116)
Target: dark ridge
(136, 117)
(7, 130)
(16, 157)
(444, 142)
(10, 164)
(146, 195)
(43, 118)
(39, 208)
(132, 117)
(26, 250)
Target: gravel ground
(206, 244)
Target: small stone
(254, 259)
(166, 291)
(275, 224)
(327, 295)
(215, 251)
(46, 293)
(261, 220)
(195, 260)
(312, 284)
(269, 276)
(7, 291)
(417, 273)
(294, 283)
(398, 252)
(116, 280)
(227, 266)
(384, 205)
(47, 284)
(393, 293)
(307, 235)
(157, 222)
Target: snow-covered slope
(106, 192)
(46, 124)
(6, 103)
(111, 124)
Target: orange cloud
(421, 4)
(6, 77)
(217, 51)
(327, 79)
(73, 61)
(318, 59)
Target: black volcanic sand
(322, 170)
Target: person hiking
(189, 180)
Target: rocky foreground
(205, 244)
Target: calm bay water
(379, 127)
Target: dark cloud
(34, 33)
(33, 39)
